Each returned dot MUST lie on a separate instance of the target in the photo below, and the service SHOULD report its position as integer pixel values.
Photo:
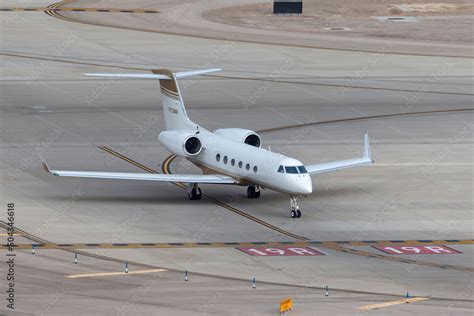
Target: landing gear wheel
(250, 191)
(295, 210)
(253, 192)
(195, 194)
(257, 194)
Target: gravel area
(356, 18)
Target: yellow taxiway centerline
(91, 275)
(387, 304)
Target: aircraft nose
(306, 185)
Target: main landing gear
(295, 212)
(253, 191)
(194, 192)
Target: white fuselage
(250, 165)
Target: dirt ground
(356, 18)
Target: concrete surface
(420, 188)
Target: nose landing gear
(194, 193)
(253, 191)
(295, 211)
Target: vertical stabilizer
(173, 106)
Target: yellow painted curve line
(53, 12)
(392, 303)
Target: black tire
(257, 194)
(293, 214)
(250, 191)
(193, 195)
(298, 213)
(198, 194)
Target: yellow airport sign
(286, 305)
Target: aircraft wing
(186, 178)
(366, 159)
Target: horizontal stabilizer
(184, 74)
(177, 75)
(136, 76)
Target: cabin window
(302, 169)
(255, 169)
(218, 157)
(281, 170)
(240, 164)
(247, 166)
(225, 159)
(232, 162)
(291, 170)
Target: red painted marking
(281, 251)
(418, 250)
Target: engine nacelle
(241, 135)
(181, 143)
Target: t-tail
(173, 106)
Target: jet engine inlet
(192, 146)
(253, 140)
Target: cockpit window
(302, 169)
(291, 170)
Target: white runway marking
(387, 304)
(89, 275)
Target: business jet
(226, 156)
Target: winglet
(43, 161)
(367, 153)
(45, 166)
